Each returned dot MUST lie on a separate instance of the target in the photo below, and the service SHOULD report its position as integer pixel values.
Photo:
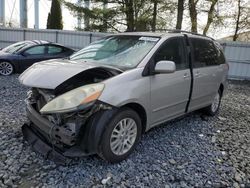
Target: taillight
(227, 66)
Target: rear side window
(54, 49)
(205, 53)
(37, 50)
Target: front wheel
(121, 136)
(6, 68)
(214, 107)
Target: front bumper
(48, 129)
(51, 141)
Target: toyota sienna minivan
(103, 98)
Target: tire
(112, 146)
(6, 68)
(212, 109)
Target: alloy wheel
(6, 68)
(123, 136)
(216, 103)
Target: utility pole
(36, 26)
(2, 12)
(23, 14)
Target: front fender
(94, 129)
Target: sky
(12, 14)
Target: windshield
(17, 47)
(119, 51)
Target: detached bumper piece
(42, 147)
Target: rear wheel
(214, 107)
(6, 68)
(121, 136)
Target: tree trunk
(86, 17)
(237, 22)
(193, 14)
(210, 16)
(154, 16)
(180, 14)
(129, 11)
(105, 18)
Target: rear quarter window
(54, 49)
(205, 53)
(220, 55)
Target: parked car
(21, 55)
(108, 94)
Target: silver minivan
(104, 97)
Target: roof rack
(187, 32)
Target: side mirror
(164, 67)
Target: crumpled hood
(52, 73)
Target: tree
(237, 21)
(147, 15)
(99, 18)
(124, 15)
(233, 16)
(180, 14)
(154, 15)
(86, 16)
(129, 12)
(54, 20)
(193, 14)
(203, 8)
(48, 21)
(210, 16)
(105, 16)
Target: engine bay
(89, 76)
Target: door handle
(197, 74)
(185, 75)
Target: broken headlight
(73, 100)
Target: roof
(163, 34)
(36, 42)
(150, 34)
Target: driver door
(170, 91)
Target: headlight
(74, 99)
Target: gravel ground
(193, 151)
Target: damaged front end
(57, 136)
(60, 135)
